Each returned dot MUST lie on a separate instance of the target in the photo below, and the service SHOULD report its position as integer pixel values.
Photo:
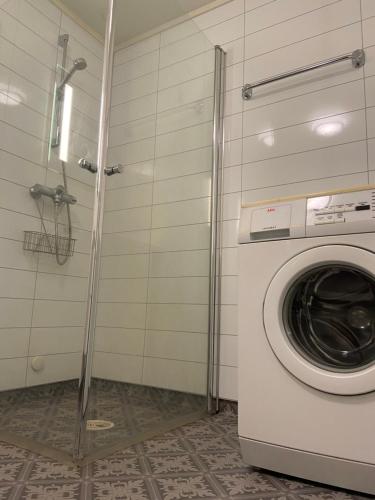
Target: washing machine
(307, 337)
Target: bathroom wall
(153, 313)
(314, 132)
(42, 305)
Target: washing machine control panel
(330, 214)
(343, 213)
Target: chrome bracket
(358, 58)
(115, 169)
(247, 92)
(88, 165)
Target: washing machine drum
(319, 316)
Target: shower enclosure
(110, 206)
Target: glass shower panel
(50, 85)
(151, 343)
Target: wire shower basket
(35, 241)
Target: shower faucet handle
(88, 165)
(115, 169)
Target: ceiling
(133, 17)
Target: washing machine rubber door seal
(360, 381)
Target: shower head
(78, 65)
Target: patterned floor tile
(5, 492)
(117, 466)
(197, 461)
(222, 461)
(172, 464)
(43, 470)
(193, 487)
(159, 446)
(65, 491)
(133, 489)
(10, 471)
(244, 483)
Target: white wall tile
(189, 69)
(133, 110)
(137, 50)
(178, 317)
(194, 237)
(134, 89)
(368, 8)
(228, 350)
(128, 220)
(220, 14)
(12, 373)
(231, 206)
(186, 290)
(123, 290)
(307, 136)
(129, 197)
(176, 345)
(57, 367)
(299, 28)
(175, 375)
(371, 122)
(126, 243)
(371, 156)
(136, 68)
(370, 91)
(13, 342)
(124, 266)
(277, 12)
(368, 32)
(45, 341)
(328, 102)
(192, 263)
(228, 385)
(121, 315)
(181, 213)
(189, 162)
(320, 163)
(182, 188)
(120, 367)
(119, 340)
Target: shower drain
(99, 425)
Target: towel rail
(357, 57)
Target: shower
(60, 131)
(79, 64)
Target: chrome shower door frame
(215, 235)
(96, 237)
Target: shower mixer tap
(57, 194)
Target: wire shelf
(35, 241)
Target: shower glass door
(151, 341)
(50, 87)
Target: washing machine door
(319, 317)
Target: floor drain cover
(99, 425)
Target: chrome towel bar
(357, 57)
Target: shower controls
(57, 194)
(87, 165)
(115, 169)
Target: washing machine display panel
(329, 317)
(341, 213)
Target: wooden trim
(361, 187)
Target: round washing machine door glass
(319, 317)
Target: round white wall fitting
(37, 364)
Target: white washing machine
(307, 338)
